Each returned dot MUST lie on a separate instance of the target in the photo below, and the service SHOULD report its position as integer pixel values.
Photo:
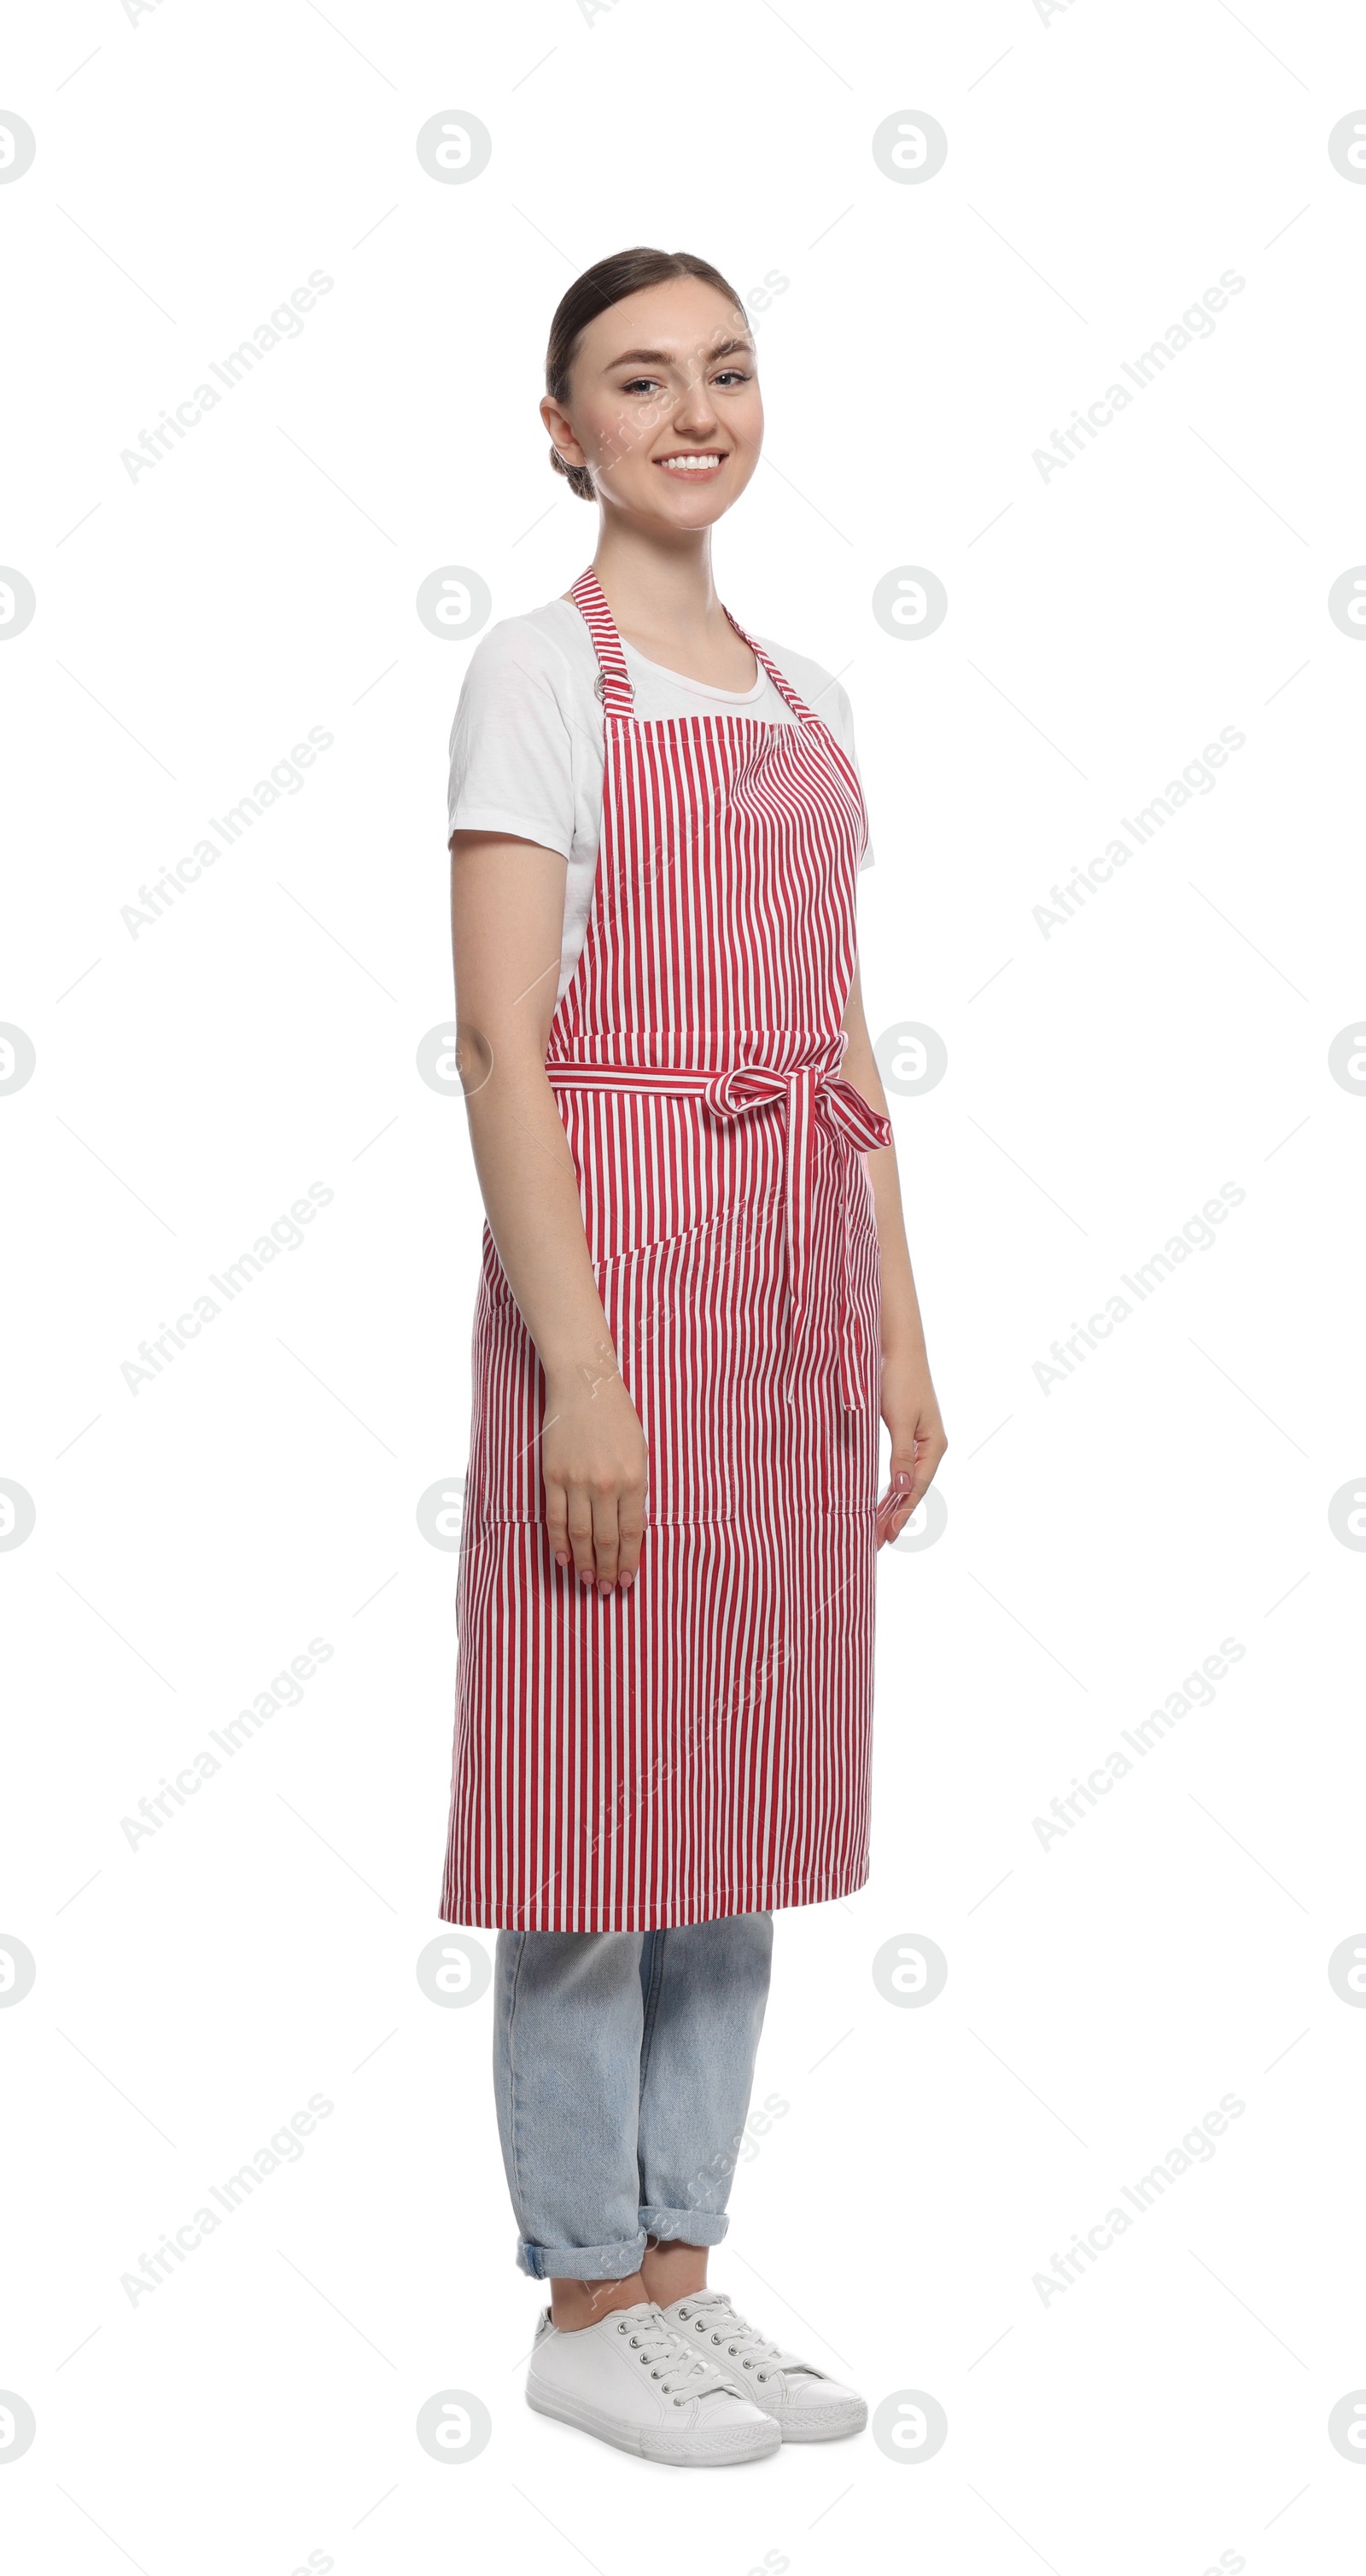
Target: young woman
(695, 1301)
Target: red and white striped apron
(699, 1744)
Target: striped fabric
(698, 1745)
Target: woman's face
(664, 405)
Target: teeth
(689, 464)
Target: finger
(928, 1456)
(897, 1504)
(606, 1547)
(581, 1532)
(631, 1533)
(557, 1523)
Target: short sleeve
(512, 766)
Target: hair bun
(576, 476)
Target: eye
(732, 376)
(640, 385)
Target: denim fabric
(623, 2063)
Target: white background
(1168, 2411)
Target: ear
(561, 432)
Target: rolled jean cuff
(581, 2262)
(686, 2226)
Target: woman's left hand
(910, 1409)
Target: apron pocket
(680, 1349)
(680, 1338)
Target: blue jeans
(623, 2063)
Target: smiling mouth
(709, 461)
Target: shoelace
(742, 2341)
(682, 2374)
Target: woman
(695, 1298)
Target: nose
(695, 412)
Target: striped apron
(698, 1745)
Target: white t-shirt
(527, 741)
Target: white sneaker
(633, 2380)
(807, 2405)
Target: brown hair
(601, 286)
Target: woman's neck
(664, 601)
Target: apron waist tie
(811, 1094)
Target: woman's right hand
(595, 1469)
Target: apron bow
(813, 1094)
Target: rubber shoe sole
(831, 2423)
(724, 2450)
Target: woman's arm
(507, 921)
(910, 1407)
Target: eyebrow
(667, 357)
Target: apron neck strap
(614, 688)
(785, 690)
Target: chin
(692, 509)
